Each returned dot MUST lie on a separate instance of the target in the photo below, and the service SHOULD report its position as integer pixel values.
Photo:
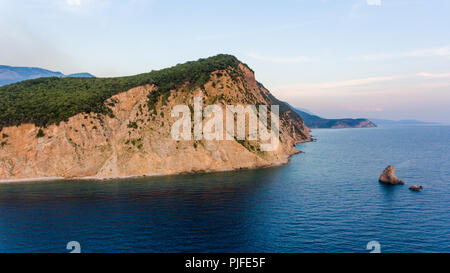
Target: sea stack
(416, 188)
(388, 176)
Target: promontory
(116, 127)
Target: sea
(327, 199)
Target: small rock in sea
(388, 177)
(416, 188)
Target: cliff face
(136, 139)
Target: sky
(337, 58)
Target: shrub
(132, 125)
(40, 133)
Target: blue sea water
(327, 199)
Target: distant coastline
(386, 122)
(316, 122)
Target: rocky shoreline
(96, 178)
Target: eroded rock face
(388, 177)
(137, 141)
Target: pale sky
(338, 58)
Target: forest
(46, 101)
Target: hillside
(11, 74)
(313, 121)
(116, 127)
(47, 101)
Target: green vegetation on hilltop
(46, 101)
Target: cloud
(73, 2)
(371, 86)
(373, 2)
(367, 82)
(354, 87)
(362, 4)
(300, 59)
(365, 109)
(434, 75)
(349, 83)
(427, 52)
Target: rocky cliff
(133, 137)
